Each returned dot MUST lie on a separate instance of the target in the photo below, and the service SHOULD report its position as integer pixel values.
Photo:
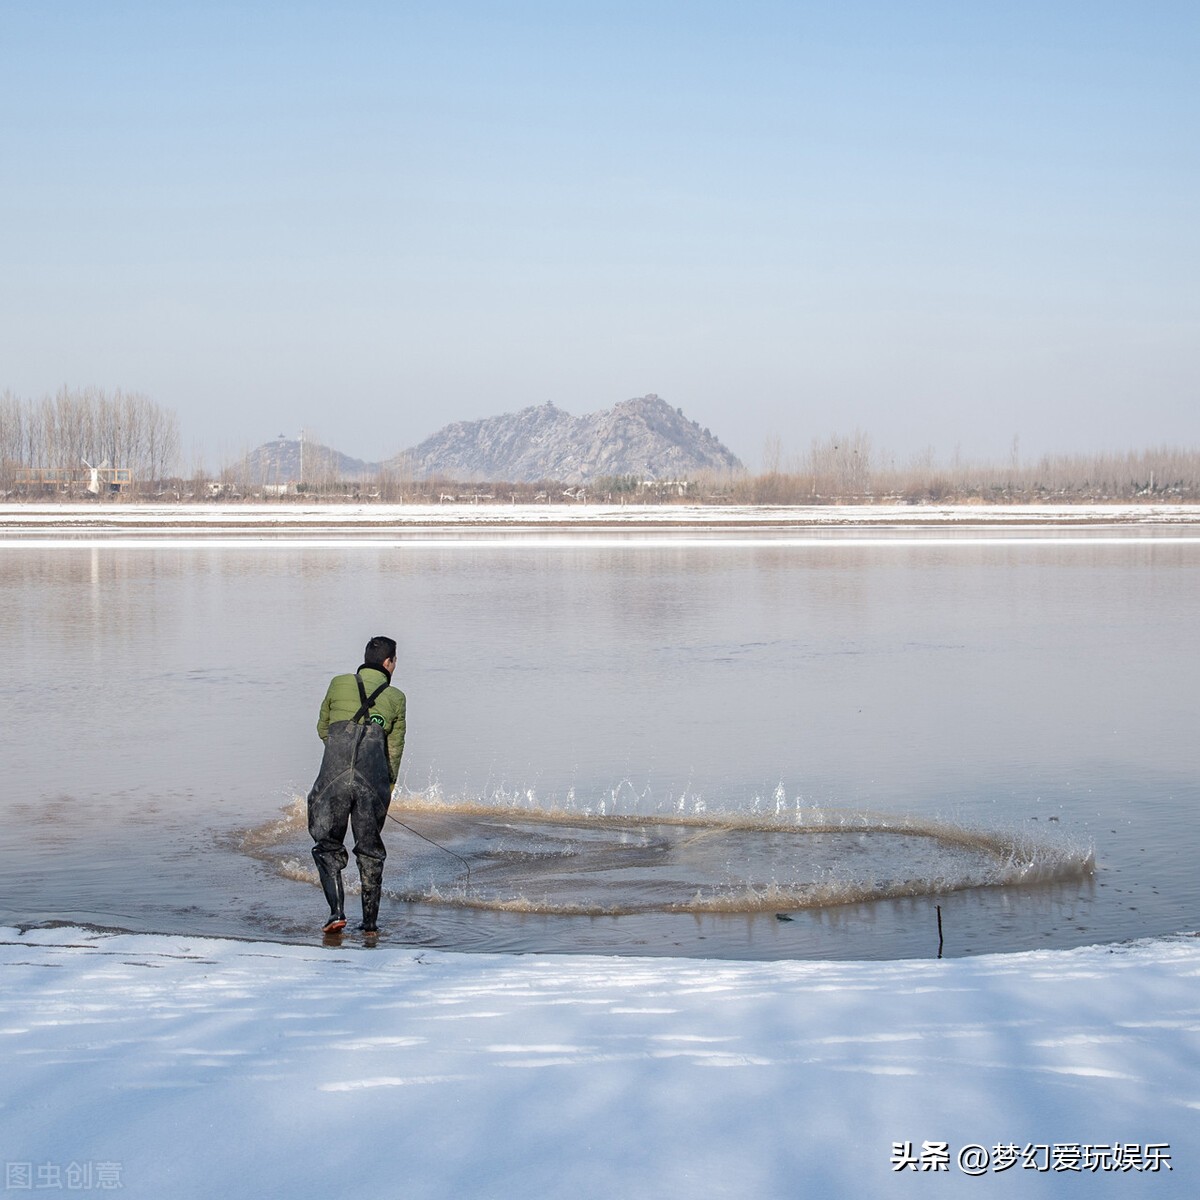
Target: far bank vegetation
(844, 469)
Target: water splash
(581, 858)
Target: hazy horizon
(945, 226)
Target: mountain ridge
(643, 437)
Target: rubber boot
(331, 885)
(371, 872)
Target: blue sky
(945, 224)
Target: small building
(664, 487)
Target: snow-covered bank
(189, 1067)
(98, 516)
(467, 526)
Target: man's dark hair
(378, 651)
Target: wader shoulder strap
(367, 701)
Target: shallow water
(657, 746)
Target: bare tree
(841, 465)
(75, 427)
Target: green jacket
(342, 702)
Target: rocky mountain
(287, 460)
(644, 437)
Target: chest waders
(353, 786)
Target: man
(362, 726)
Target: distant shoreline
(22, 523)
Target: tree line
(845, 469)
(76, 427)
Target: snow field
(207, 1067)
